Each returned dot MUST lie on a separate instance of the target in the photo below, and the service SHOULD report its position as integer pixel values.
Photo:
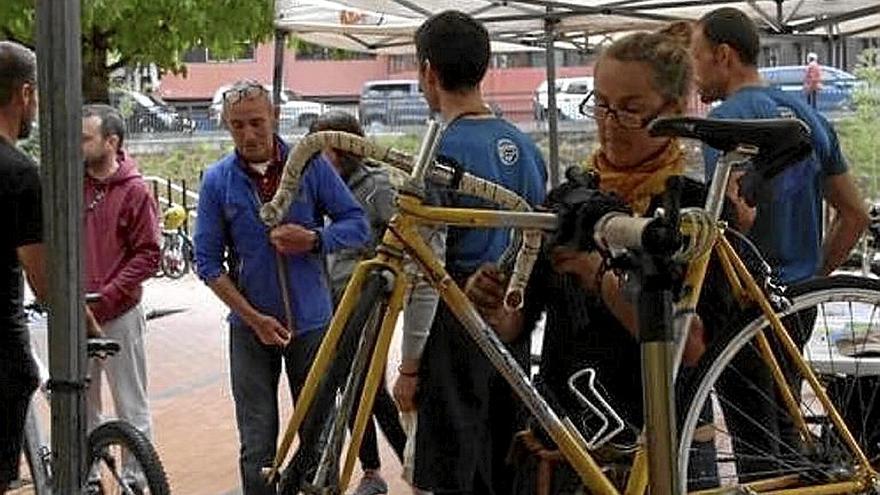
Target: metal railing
(168, 192)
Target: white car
(295, 112)
(570, 92)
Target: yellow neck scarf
(637, 185)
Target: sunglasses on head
(244, 91)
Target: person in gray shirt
(371, 186)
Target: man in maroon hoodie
(122, 250)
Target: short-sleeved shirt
(21, 223)
(493, 149)
(788, 222)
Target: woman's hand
(485, 288)
(587, 266)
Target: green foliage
(858, 132)
(155, 31)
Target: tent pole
(552, 113)
(278, 74)
(60, 61)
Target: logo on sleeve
(508, 151)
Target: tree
(859, 131)
(127, 33)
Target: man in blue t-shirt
(786, 223)
(466, 414)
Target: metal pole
(278, 74)
(183, 203)
(552, 113)
(658, 362)
(58, 48)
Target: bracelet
(404, 373)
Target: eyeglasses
(243, 91)
(624, 118)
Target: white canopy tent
(525, 21)
(387, 26)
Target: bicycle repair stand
(654, 281)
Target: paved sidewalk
(193, 414)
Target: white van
(570, 92)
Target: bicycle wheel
(37, 453)
(122, 461)
(318, 462)
(733, 404)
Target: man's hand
(269, 330)
(745, 214)
(404, 390)
(291, 238)
(93, 328)
(584, 265)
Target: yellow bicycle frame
(402, 239)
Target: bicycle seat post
(721, 178)
(427, 149)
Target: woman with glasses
(589, 320)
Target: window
(578, 88)
(311, 51)
(200, 54)
(388, 89)
(403, 63)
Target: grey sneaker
(371, 485)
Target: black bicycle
(121, 460)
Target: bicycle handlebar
(273, 211)
(619, 231)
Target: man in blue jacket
(232, 191)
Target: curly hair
(665, 51)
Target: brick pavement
(193, 414)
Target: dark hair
(732, 27)
(18, 66)
(665, 51)
(111, 121)
(336, 120)
(457, 47)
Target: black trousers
(467, 415)
(759, 423)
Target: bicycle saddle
(780, 142)
(97, 347)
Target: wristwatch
(316, 247)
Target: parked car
(837, 86)
(145, 114)
(295, 111)
(393, 102)
(570, 92)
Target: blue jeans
(256, 370)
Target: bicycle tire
(356, 343)
(119, 433)
(831, 297)
(36, 453)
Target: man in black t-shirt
(21, 247)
